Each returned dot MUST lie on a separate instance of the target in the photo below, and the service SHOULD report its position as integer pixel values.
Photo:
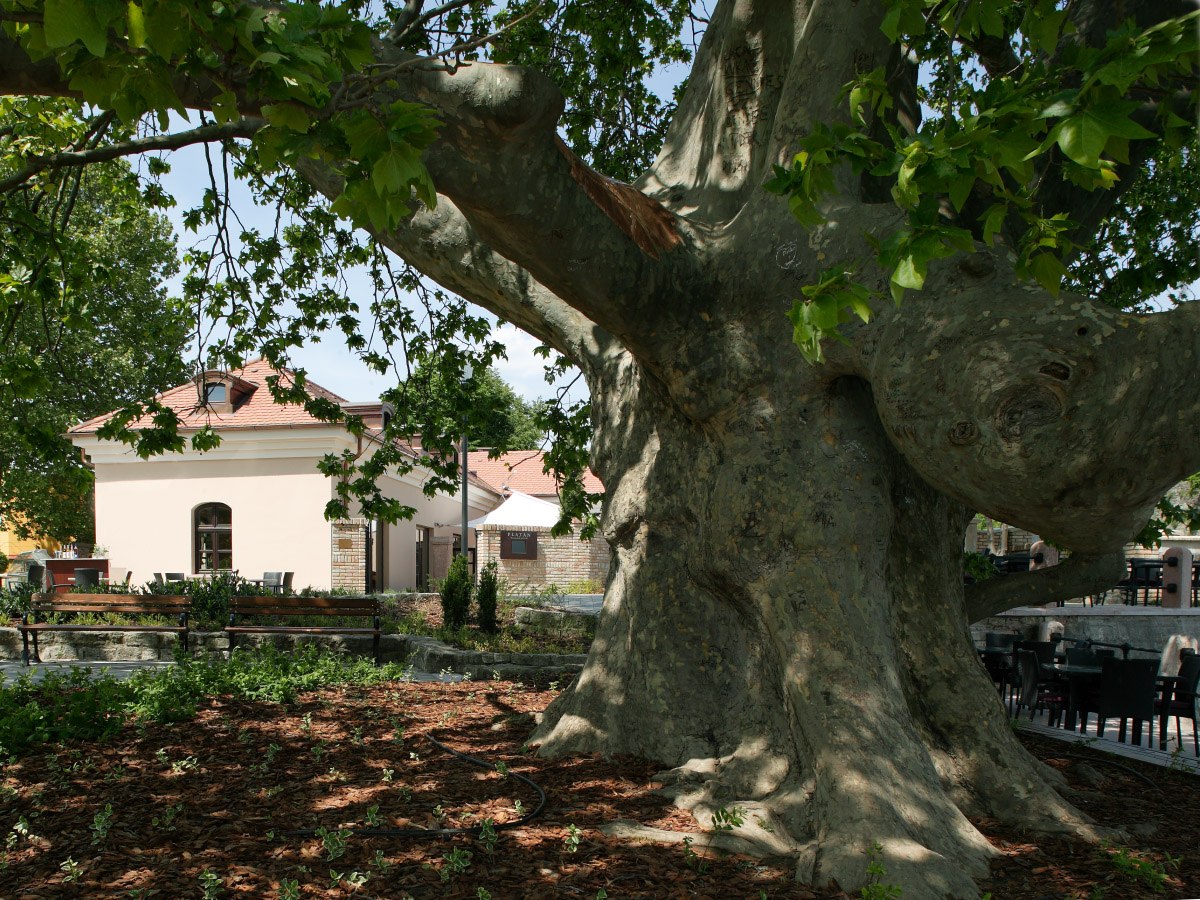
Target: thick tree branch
(1076, 576)
(1054, 414)
(441, 244)
(74, 158)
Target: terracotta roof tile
(259, 410)
(521, 470)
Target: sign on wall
(518, 545)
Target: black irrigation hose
(449, 832)
(1122, 766)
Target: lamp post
(468, 371)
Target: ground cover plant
(209, 806)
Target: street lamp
(468, 371)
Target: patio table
(1078, 678)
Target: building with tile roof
(256, 502)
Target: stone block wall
(560, 560)
(348, 555)
(1138, 626)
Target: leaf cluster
(978, 168)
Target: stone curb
(425, 654)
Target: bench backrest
(303, 606)
(125, 604)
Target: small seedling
(71, 870)
(693, 859)
(101, 822)
(875, 889)
(357, 879)
(728, 819)
(502, 769)
(519, 808)
(306, 723)
(439, 813)
(184, 765)
(167, 819)
(488, 836)
(381, 862)
(161, 755)
(388, 775)
(211, 884)
(334, 842)
(574, 836)
(289, 889)
(458, 861)
(373, 817)
(483, 894)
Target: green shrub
(14, 601)
(3, 563)
(79, 706)
(485, 596)
(455, 591)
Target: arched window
(213, 526)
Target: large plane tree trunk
(783, 626)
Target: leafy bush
(455, 591)
(3, 562)
(80, 706)
(14, 601)
(485, 596)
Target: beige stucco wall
(144, 515)
(442, 513)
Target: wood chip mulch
(205, 808)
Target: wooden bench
(292, 607)
(43, 605)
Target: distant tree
(487, 406)
(86, 323)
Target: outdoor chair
(174, 576)
(1182, 700)
(36, 575)
(1082, 656)
(273, 581)
(287, 582)
(158, 579)
(1037, 690)
(87, 578)
(1127, 691)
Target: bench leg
(375, 647)
(37, 655)
(230, 633)
(25, 646)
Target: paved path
(1173, 757)
(11, 670)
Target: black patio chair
(1127, 690)
(1183, 699)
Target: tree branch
(1054, 414)
(766, 71)
(1076, 576)
(74, 158)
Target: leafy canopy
(86, 324)
(290, 81)
(1055, 110)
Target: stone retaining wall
(1138, 626)
(425, 654)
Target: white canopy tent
(520, 511)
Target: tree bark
(783, 628)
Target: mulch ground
(222, 794)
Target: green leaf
(68, 21)
(287, 116)
(1048, 270)
(909, 273)
(1082, 138)
(137, 26)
